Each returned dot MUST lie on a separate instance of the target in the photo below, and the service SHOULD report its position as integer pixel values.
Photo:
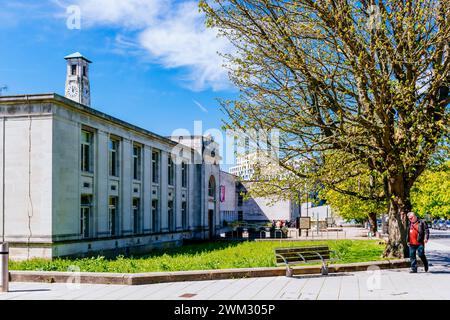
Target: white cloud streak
(200, 106)
(172, 34)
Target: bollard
(4, 255)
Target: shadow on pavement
(438, 258)
(300, 276)
(31, 290)
(439, 272)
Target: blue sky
(154, 63)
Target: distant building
(244, 167)
(262, 209)
(235, 206)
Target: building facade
(78, 182)
(228, 197)
(236, 206)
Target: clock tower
(77, 79)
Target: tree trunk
(373, 222)
(399, 206)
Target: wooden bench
(291, 256)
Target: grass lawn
(214, 255)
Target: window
(240, 200)
(137, 162)
(113, 158)
(84, 71)
(184, 175)
(171, 171)
(112, 218)
(155, 167)
(154, 215)
(184, 215)
(73, 69)
(85, 216)
(171, 216)
(212, 187)
(136, 215)
(86, 151)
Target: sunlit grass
(214, 255)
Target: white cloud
(172, 33)
(123, 13)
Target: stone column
(147, 189)
(102, 185)
(178, 197)
(125, 201)
(164, 223)
(2, 128)
(191, 195)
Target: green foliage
(349, 207)
(216, 255)
(431, 192)
(355, 193)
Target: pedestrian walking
(418, 234)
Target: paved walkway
(371, 285)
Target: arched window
(212, 187)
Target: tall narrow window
(171, 219)
(155, 215)
(86, 151)
(184, 215)
(137, 162)
(112, 218)
(184, 175)
(73, 70)
(155, 167)
(212, 187)
(136, 215)
(240, 200)
(84, 71)
(113, 158)
(85, 216)
(171, 171)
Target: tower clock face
(72, 91)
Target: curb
(160, 277)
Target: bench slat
(291, 255)
(301, 249)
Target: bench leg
(289, 272)
(324, 269)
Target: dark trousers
(421, 253)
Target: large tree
(366, 78)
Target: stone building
(228, 197)
(77, 182)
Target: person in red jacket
(418, 234)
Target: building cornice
(65, 102)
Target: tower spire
(77, 79)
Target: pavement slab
(373, 284)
